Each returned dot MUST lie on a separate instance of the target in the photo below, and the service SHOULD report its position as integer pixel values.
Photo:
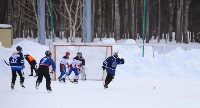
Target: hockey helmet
(26, 55)
(67, 53)
(79, 53)
(116, 54)
(48, 53)
(19, 48)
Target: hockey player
(64, 66)
(81, 66)
(32, 63)
(17, 64)
(110, 65)
(43, 70)
(74, 66)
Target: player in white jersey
(64, 66)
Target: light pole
(41, 22)
(87, 21)
(143, 27)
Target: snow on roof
(5, 26)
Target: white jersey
(64, 61)
(75, 63)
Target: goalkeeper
(81, 66)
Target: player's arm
(120, 61)
(53, 64)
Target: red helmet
(67, 53)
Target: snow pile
(129, 41)
(5, 26)
(125, 91)
(28, 47)
(176, 64)
(107, 41)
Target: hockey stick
(66, 73)
(6, 63)
(71, 80)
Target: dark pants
(109, 78)
(44, 71)
(33, 67)
(14, 76)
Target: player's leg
(82, 72)
(40, 77)
(109, 77)
(48, 79)
(14, 75)
(76, 74)
(21, 78)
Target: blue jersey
(112, 62)
(47, 61)
(17, 61)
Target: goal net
(93, 54)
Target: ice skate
(21, 83)
(12, 86)
(37, 85)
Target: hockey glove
(103, 67)
(122, 61)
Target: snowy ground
(167, 80)
(90, 94)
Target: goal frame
(77, 45)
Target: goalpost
(94, 55)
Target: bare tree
(185, 34)
(147, 21)
(73, 17)
(179, 20)
(117, 20)
(171, 14)
(133, 18)
(159, 21)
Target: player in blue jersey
(43, 70)
(110, 65)
(17, 64)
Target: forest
(171, 20)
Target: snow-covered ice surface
(167, 80)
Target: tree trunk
(99, 20)
(117, 20)
(178, 21)
(159, 21)
(185, 36)
(147, 21)
(136, 20)
(171, 14)
(133, 19)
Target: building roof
(5, 26)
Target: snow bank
(176, 64)
(28, 47)
(5, 26)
